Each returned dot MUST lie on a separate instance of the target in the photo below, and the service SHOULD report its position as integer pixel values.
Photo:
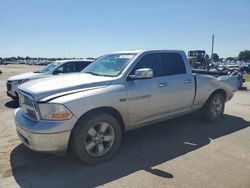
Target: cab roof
(74, 60)
(143, 50)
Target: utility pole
(212, 46)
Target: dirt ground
(183, 152)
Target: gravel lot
(183, 152)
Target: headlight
(49, 111)
(20, 81)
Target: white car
(55, 68)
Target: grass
(247, 77)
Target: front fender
(82, 102)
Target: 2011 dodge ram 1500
(116, 93)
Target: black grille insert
(8, 86)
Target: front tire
(214, 108)
(96, 138)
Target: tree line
(27, 58)
(243, 56)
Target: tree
(244, 55)
(13, 58)
(27, 58)
(215, 57)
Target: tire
(214, 108)
(90, 143)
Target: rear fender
(232, 81)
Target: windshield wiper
(93, 73)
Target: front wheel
(214, 108)
(96, 138)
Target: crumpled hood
(28, 75)
(63, 84)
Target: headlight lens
(57, 112)
(20, 81)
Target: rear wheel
(214, 108)
(96, 138)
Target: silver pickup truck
(89, 111)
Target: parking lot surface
(183, 152)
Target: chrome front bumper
(43, 136)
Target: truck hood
(55, 86)
(28, 75)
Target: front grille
(8, 86)
(27, 105)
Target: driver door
(148, 99)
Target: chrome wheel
(217, 106)
(99, 139)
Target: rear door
(81, 65)
(68, 67)
(181, 81)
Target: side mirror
(144, 73)
(57, 72)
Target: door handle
(162, 84)
(188, 81)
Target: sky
(79, 28)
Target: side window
(173, 64)
(149, 61)
(67, 67)
(81, 65)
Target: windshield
(197, 53)
(48, 68)
(109, 65)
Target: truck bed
(201, 71)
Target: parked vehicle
(89, 111)
(245, 68)
(198, 59)
(232, 70)
(55, 68)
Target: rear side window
(67, 67)
(173, 64)
(81, 65)
(149, 61)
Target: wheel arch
(221, 91)
(105, 109)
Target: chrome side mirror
(144, 73)
(56, 72)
